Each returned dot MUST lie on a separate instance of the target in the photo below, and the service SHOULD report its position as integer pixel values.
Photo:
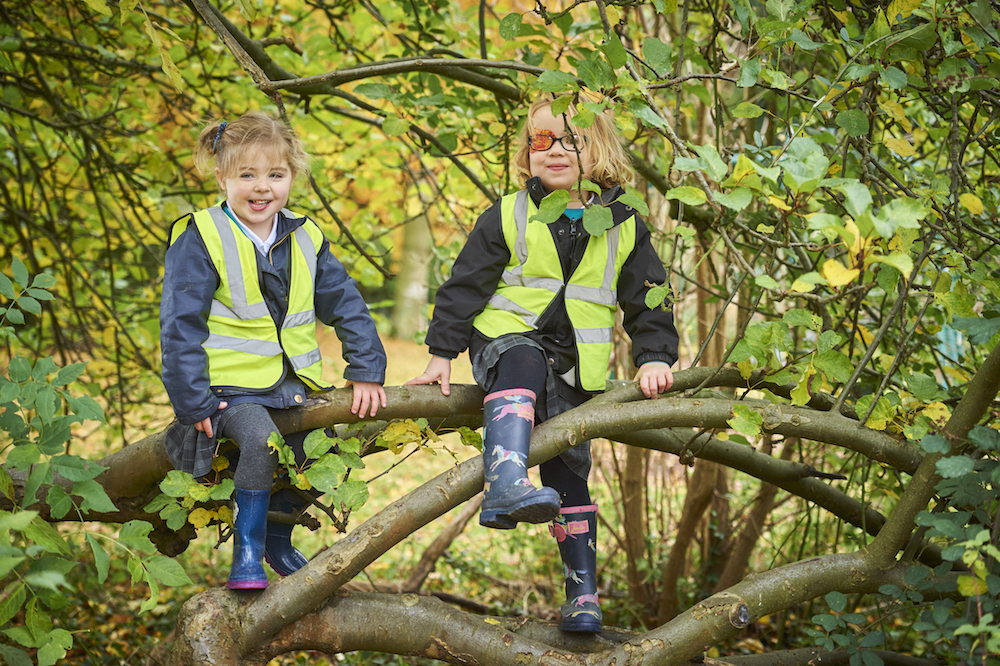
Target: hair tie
(218, 135)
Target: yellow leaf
(226, 515)
(901, 147)
(866, 335)
(900, 9)
(613, 15)
(201, 517)
(896, 111)
(834, 169)
(746, 368)
(493, 621)
(497, 129)
(108, 337)
(937, 412)
(970, 586)
(743, 167)
(722, 436)
(802, 287)
(971, 202)
(836, 274)
(778, 203)
(220, 463)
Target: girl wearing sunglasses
(535, 305)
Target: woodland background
(821, 181)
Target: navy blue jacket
(189, 283)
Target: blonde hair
(226, 145)
(611, 164)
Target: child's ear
(219, 179)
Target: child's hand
(365, 394)
(205, 425)
(438, 370)
(654, 378)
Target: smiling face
(258, 189)
(558, 168)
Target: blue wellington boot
(249, 532)
(509, 499)
(279, 552)
(576, 532)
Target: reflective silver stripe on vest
(299, 319)
(309, 251)
(592, 335)
(305, 360)
(256, 347)
(234, 273)
(503, 303)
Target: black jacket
(189, 283)
(477, 270)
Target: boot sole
(583, 627)
(533, 510)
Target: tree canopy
(820, 179)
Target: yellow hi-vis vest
(244, 346)
(532, 279)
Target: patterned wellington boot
(508, 418)
(279, 552)
(249, 532)
(576, 532)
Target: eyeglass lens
(544, 139)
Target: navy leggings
(525, 367)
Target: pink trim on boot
(586, 508)
(504, 394)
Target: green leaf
(76, 469)
(894, 78)
(133, 535)
(45, 535)
(351, 495)
(902, 212)
(767, 282)
(857, 198)
(747, 110)
(658, 55)
(954, 467)
(69, 374)
(736, 200)
(552, 207)
(614, 51)
(827, 621)
(780, 9)
(716, 168)
(56, 644)
(28, 304)
(6, 485)
(101, 559)
(802, 40)
(597, 219)
(554, 81)
(854, 122)
(395, 126)
(922, 386)
(154, 595)
(746, 421)
(94, 497)
(39, 475)
(23, 456)
(20, 271)
(59, 501)
(167, 571)
(837, 601)
(19, 369)
(985, 438)
(510, 26)
(935, 444)
(11, 601)
(317, 443)
(979, 329)
(222, 491)
(646, 114)
(326, 473)
(86, 408)
(177, 483)
(749, 71)
(692, 196)
(377, 91)
(18, 520)
(6, 287)
(657, 296)
(835, 365)
(633, 199)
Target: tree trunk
(408, 317)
